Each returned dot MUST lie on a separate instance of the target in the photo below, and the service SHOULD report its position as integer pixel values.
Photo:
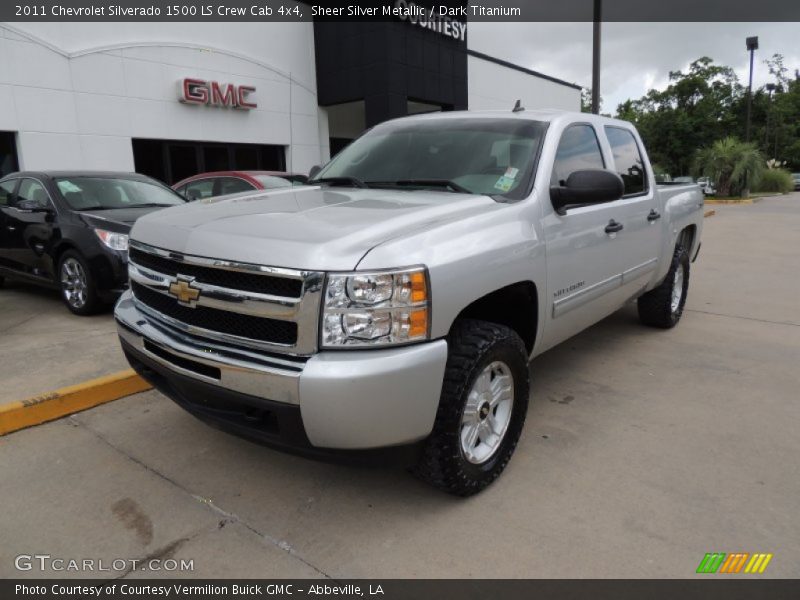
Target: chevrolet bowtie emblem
(184, 292)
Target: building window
(173, 160)
(8, 153)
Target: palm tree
(732, 164)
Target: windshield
(494, 156)
(273, 181)
(96, 193)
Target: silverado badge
(184, 292)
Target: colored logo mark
(737, 562)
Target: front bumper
(335, 401)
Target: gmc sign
(200, 91)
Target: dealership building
(174, 99)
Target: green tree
(694, 110)
(732, 164)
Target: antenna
(518, 107)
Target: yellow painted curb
(710, 213)
(736, 201)
(65, 401)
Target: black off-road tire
(92, 303)
(473, 345)
(655, 307)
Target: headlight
(382, 308)
(115, 241)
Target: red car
(221, 183)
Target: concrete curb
(65, 401)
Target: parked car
(392, 307)
(222, 183)
(796, 177)
(707, 185)
(69, 230)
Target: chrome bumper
(347, 399)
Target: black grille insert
(184, 363)
(231, 323)
(248, 282)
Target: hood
(309, 228)
(116, 219)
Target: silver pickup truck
(389, 310)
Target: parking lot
(643, 450)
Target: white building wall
(77, 93)
(496, 87)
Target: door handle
(653, 216)
(613, 226)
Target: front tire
(663, 306)
(77, 285)
(482, 409)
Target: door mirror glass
(588, 186)
(313, 171)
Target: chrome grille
(239, 303)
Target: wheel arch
(516, 306)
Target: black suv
(69, 230)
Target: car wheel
(481, 411)
(77, 284)
(663, 306)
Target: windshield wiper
(445, 183)
(348, 181)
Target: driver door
(30, 230)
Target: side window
(233, 185)
(577, 150)
(32, 190)
(628, 160)
(197, 190)
(7, 191)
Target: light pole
(752, 46)
(596, 57)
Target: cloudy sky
(635, 56)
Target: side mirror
(313, 171)
(32, 206)
(192, 195)
(590, 186)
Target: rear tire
(663, 306)
(77, 285)
(482, 409)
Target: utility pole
(598, 9)
(752, 46)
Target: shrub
(732, 164)
(775, 180)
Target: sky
(635, 56)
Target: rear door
(639, 242)
(583, 259)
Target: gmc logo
(200, 91)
